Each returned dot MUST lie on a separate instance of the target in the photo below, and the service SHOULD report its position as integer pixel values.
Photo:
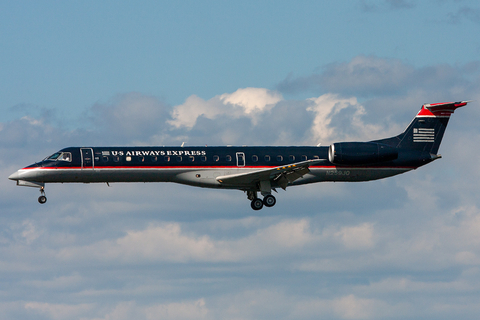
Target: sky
(120, 73)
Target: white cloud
(253, 303)
(60, 282)
(330, 125)
(178, 311)
(371, 76)
(325, 107)
(59, 311)
(125, 310)
(364, 73)
(130, 118)
(463, 284)
(243, 102)
(256, 114)
(168, 242)
(351, 307)
(252, 99)
(165, 242)
(259, 304)
(286, 234)
(186, 115)
(357, 237)
(29, 233)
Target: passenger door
(240, 159)
(87, 158)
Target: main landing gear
(42, 199)
(257, 203)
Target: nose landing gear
(42, 199)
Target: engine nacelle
(360, 153)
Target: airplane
(252, 169)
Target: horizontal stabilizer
(443, 109)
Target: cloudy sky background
(247, 73)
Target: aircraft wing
(280, 175)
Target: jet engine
(360, 153)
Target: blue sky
(257, 73)
(69, 55)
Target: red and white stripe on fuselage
(440, 110)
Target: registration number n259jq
(338, 173)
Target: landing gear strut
(42, 199)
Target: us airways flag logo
(423, 135)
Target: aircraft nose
(14, 176)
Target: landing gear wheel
(256, 204)
(42, 199)
(269, 201)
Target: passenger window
(203, 158)
(316, 157)
(254, 158)
(105, 159)
(191, 158)
(154, 159)
(216, 158)
(267, 158)
(291, 157)
(166, 158)
(179, 158)
(141, 159)
(116, 158)
(229, 158)
(304, 158)
(279, 158)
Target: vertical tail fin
(426, 130)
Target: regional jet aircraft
(250, 169)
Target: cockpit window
(60, 156)
(53, 156)
(65, 156)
